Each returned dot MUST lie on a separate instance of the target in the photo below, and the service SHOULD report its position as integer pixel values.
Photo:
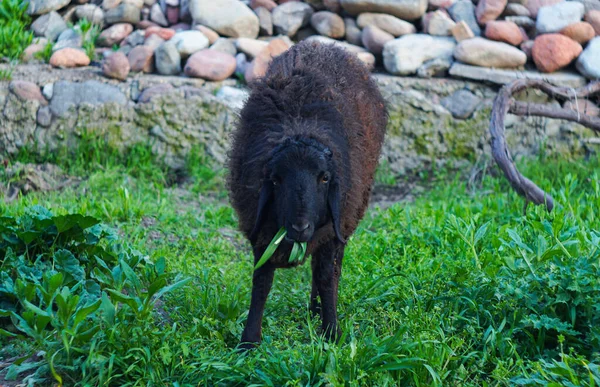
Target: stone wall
(431, 120)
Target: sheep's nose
(301, 226)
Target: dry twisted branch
(504, 103)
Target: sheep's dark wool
(316, 110)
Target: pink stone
(141, 59)
(488, 10)
(211, 65)
(27, 91)
(116, 66)
(552, 52)
(164, 33)
(114, 34)
(503, 31)
(69, 57)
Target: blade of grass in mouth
(298, 250)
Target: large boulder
(227, 17)
(405, 55)
(404, 9)
(73, 94)
(556, 17)
(487, 53)
(588, 62)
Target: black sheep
(303, 157)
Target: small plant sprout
(297, 253)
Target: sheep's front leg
(262, 281)
(329, 263)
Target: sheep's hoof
(332, 334)
(245, 347)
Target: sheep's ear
(333, 202)
(265, 194)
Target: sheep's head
(301, 189)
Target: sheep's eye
(325, 178)
(276, 180)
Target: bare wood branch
(504, 104)
(541, 110)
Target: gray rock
(136, 38)
(189, 42)
(153, 41)
(405, 55)
(167, 59)
(556, 17)
(44, 116)
(514, 9)
(90, 12)
(227, 17)
(50, 25)
(73, 94)
(305, 33)
(241, 63)
(588, 62)
(155, 91)
(232, 96)
(590, 5)
(404, 9)
(265, 21)
(48, 91)
(68, 38)
(157, 16)
(224, 45)
(124, 13)
(434, 68)
(184, 11)
(353, 33)
(40, 7)
(461, 103)
(502, 77)
(522, 21)
(289, 17)
(464, 10)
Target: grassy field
(455, 288)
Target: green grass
(457, 288)
(14, 29)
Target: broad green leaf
(66, 262)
